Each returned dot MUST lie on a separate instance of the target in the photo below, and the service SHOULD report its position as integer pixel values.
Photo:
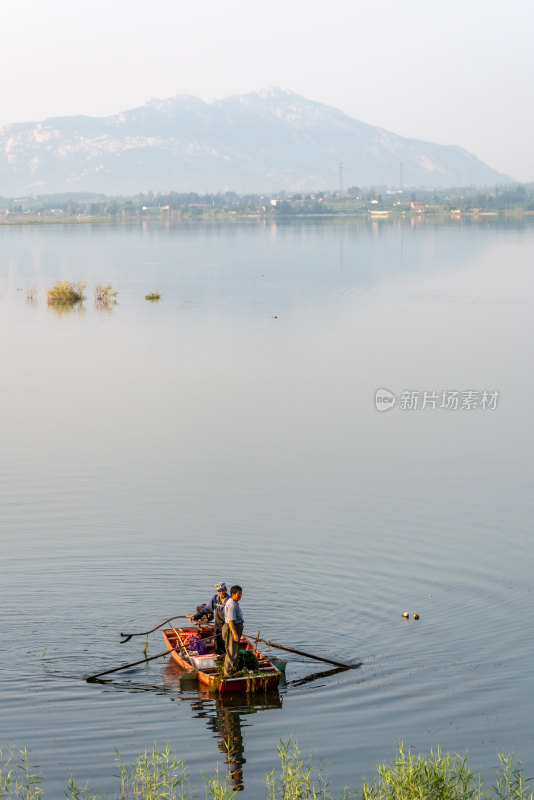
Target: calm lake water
(229, 432)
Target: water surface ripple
(229, 432)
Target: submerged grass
(157, 775)
(105, 295)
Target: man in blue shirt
(232, 630)
(215, 607)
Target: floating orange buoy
(416, 616)
(406, 615)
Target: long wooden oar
(307, 655)
(125, 666)
(128, 636)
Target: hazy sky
(456, 72)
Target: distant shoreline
(355, 204)
(370, 216)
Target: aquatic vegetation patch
(153, 297)
(105, 295)
(64, 293)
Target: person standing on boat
(215, 607)
(232, 630)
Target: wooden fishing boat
(202, 660)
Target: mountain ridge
(269, 140)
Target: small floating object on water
(274, 316)
(406, 615)
(416, 616)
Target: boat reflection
(224, 716)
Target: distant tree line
(193, 205)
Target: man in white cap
(215, 607)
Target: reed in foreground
(18, 779)
(159, 776)
(298, 779)
(441, 776)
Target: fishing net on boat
(247, 660)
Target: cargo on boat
(193, 650)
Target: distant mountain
(259, 142)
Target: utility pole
(340, 189)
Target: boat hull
(265, 680)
